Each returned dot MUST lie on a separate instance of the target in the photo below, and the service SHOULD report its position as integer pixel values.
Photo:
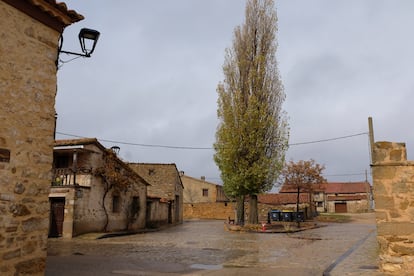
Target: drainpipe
(75, 165)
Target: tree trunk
(311, 206)
(297, 207)
(253, 214)
(240, 210)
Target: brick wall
(393, 179)
(27, 97)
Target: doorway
(57, 214)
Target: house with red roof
(337, 197)
(348, 197)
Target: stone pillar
(393, 179)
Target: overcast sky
(152, 79)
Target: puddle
(206, 266)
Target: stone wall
(223, 210)
(209, 210)
(353, 206)
(28, 52)
(393, 178)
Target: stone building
(393, 177)
(338, 197)
(197, 190)
(29, 36)
(348, 197)
(281, 202)
(203, 199)
(165, 193)
(94, 191)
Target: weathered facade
(165, 193)
(338, 197)
(348, 197)
(203, 199)
(94, 191)
(393, 179)
(197, 190)
(29, 36)
(281, 202)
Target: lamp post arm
(76, 54)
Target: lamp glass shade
(86, 38)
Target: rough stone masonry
(29, 36)
(393, 178)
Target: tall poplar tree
(252, 136)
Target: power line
(345, 174)
(329, 139)
(139, 144)
(207, 148)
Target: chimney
(181, 173)
(203, 178)
(116, 150)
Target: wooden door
(340, 208)
(57, 214)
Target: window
(116, 204)
(205, 192)
(62, 161)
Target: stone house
(338, 197)
(197, 190)
(29, 36)
(203, 199)
(348, 197)
(165, 193)
(93, 190)
(281, 202)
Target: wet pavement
(204, 247)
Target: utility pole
(371, 138)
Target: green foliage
(252, 137)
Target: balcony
(71, 177)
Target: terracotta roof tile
(333, 187)
(347, 187)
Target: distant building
(203, 199)
(351, 197)
(197, 190)
(338, 197)
(165, 193)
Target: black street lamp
(88, 39)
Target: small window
(116, 204)
(205, 192)
(320, 204)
